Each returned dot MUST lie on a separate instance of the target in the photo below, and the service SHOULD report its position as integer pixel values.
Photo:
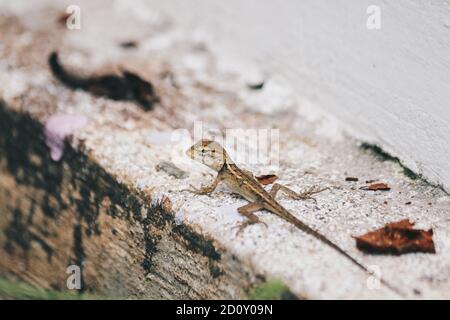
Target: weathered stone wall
(109, 207)
(55, 214)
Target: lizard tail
(286, 215)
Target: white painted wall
(389, 86)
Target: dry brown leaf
(377, 187)
(267, 179)
(396, 238)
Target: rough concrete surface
(389, 86)
(195, 84)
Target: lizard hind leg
(248, 212)
(305, 195)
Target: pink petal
(57, 128)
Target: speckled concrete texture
(198, 85)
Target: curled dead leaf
(377, 187)
(267, 179)
(396, 238)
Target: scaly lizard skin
(242, 182)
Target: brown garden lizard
(242, 182)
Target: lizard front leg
(208, 189)
(248, 212)
(305, 195)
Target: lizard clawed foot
(307, 194)
(242, 225)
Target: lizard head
(208, 152)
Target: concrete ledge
(75, 213)
(107, 207)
